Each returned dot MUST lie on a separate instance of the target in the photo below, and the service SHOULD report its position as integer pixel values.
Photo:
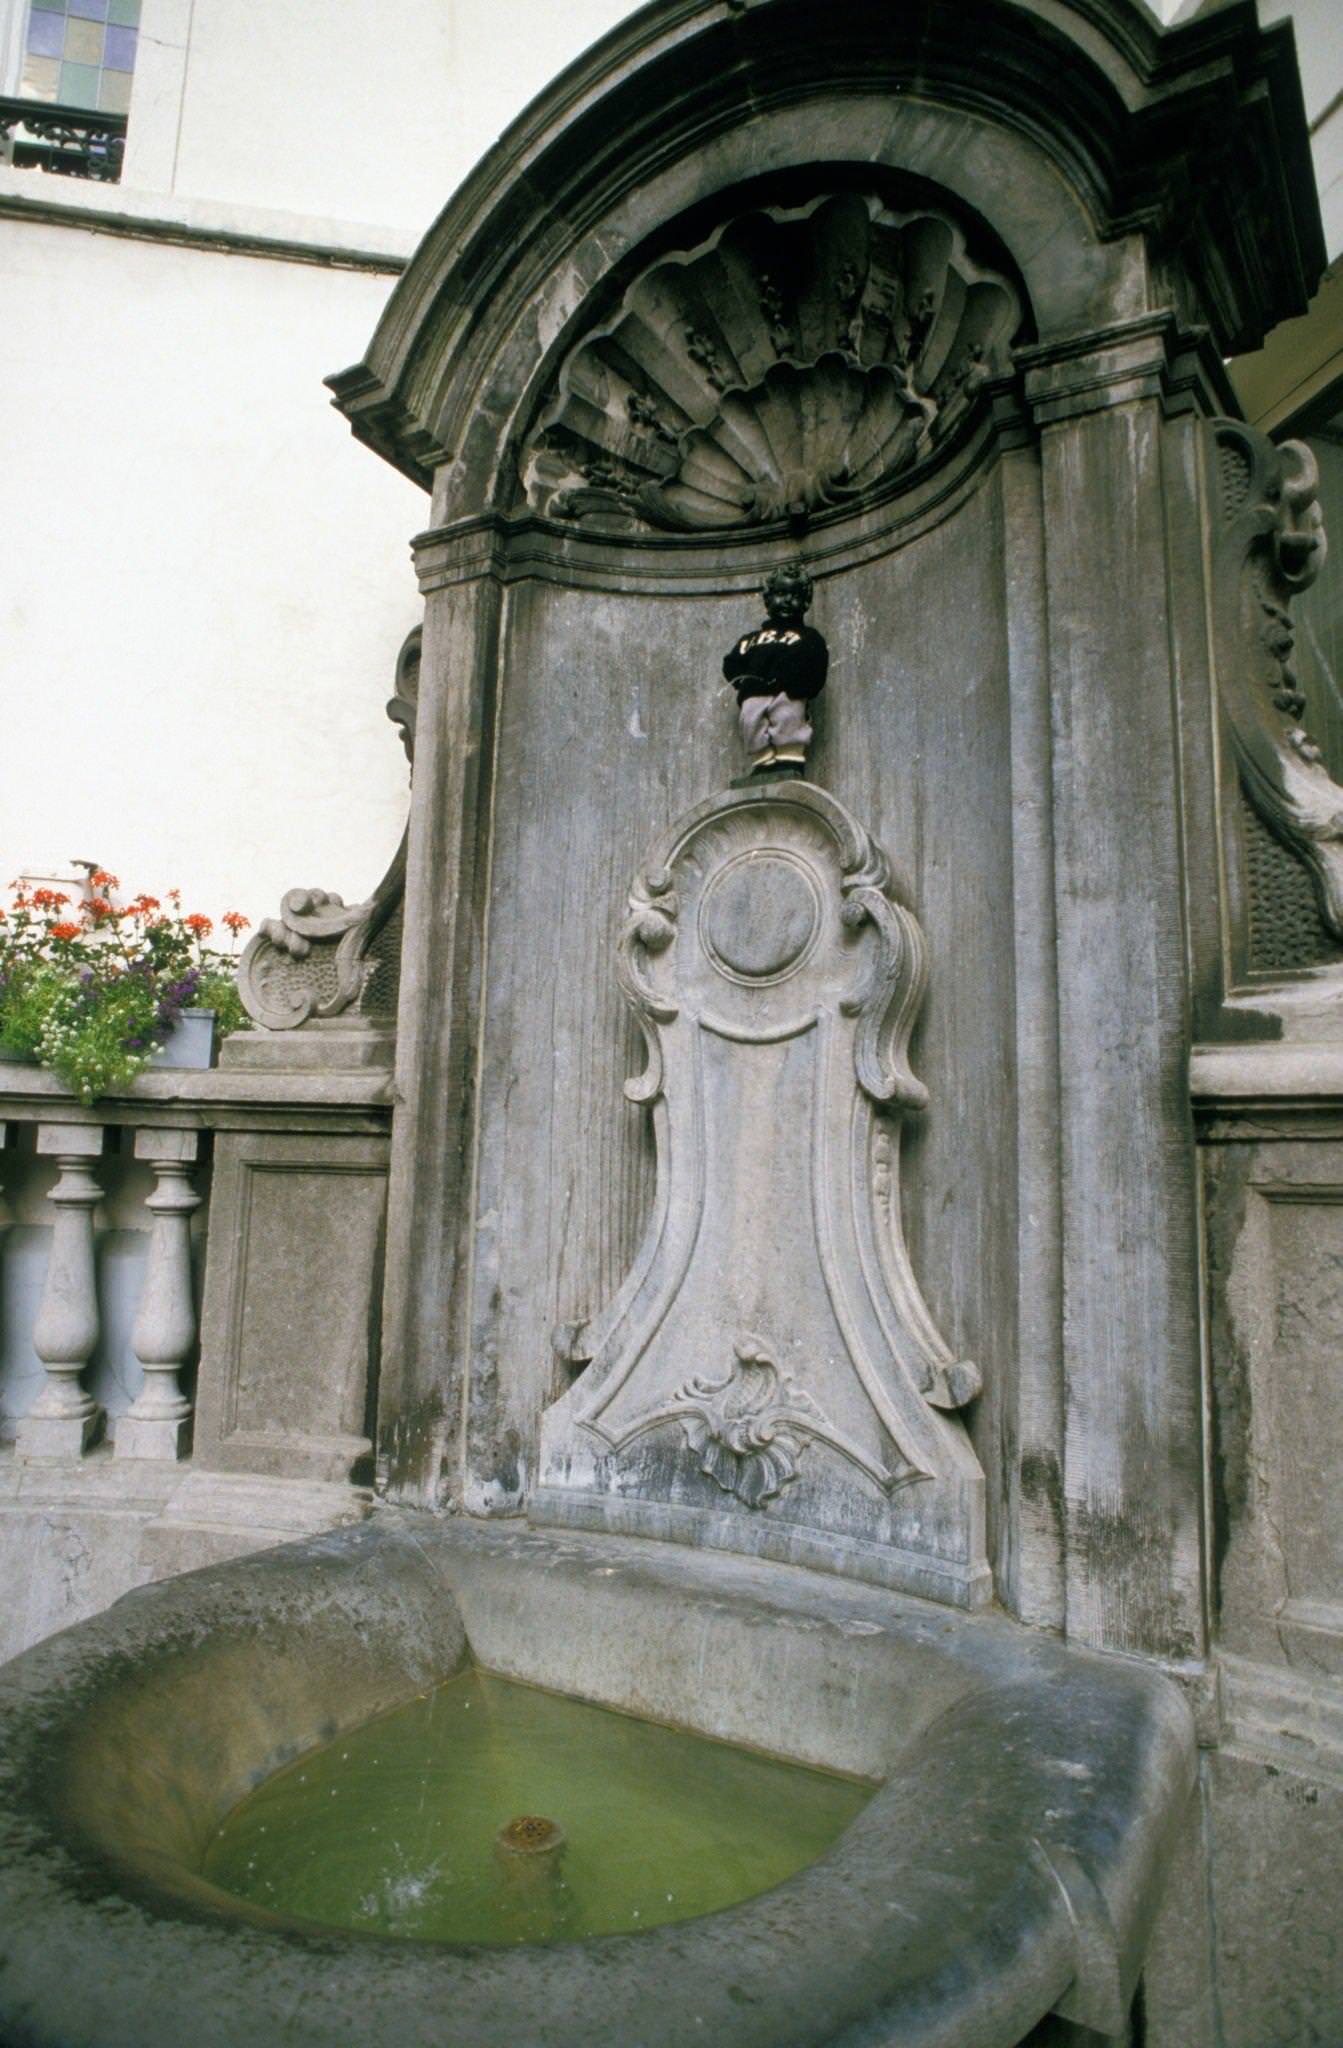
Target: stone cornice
(46, 200)
(1150, 357)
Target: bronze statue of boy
(777, 671)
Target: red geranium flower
(100, 879)
(48, 899)
(235, 920)
(98, 907)
(198, 924)
(65, 931)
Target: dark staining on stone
(408, 1448)
(1230, 1405)
(1042, 1480)
(1130, 1564)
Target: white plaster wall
(203, 579)
(342, 108)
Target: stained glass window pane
(46, 34)
(41, 78)
(84, 42)
(119, 52)
(114, 92)
(79, 85)
(81, 52)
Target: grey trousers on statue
(774, 722)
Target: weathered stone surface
(1276, 1253)
(1275, 1896)
(1007, 1866)
(768, 1376)
(800, 358)
(289, 1322)
(75, 1537)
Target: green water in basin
(394, 1829)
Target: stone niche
(920, 296)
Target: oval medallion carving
(759, 917)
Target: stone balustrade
(190, 1292)
(98, 1276)
(121, 1309)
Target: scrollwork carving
(1271, 546)
(317, 958)
(750, 1429)
(649, 928)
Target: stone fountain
(791, 1318)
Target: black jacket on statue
(788, 661)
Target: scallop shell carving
(798, 359)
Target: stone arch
(1037, 116)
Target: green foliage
(27, 998)
(219, 992)
(92, 988)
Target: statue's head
(788, 593)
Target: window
(81, 53)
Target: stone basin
(1008, 1867)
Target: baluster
(155, 1425)
(65, 1419)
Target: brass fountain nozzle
(530, 1835)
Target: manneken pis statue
(776, 672)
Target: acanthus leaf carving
(749, 1429)
(1271, 546)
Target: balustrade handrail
(195, 1096)
(75, 142)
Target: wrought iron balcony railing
(75, 141)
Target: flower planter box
(190, 1043)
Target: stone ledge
(211, 1098)
(39, 196)
(75, 1536)
(1275, 1073)
(1281, 1717)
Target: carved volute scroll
(769, 1377)
(322, 956)
(798, 359)
(1271, 545)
